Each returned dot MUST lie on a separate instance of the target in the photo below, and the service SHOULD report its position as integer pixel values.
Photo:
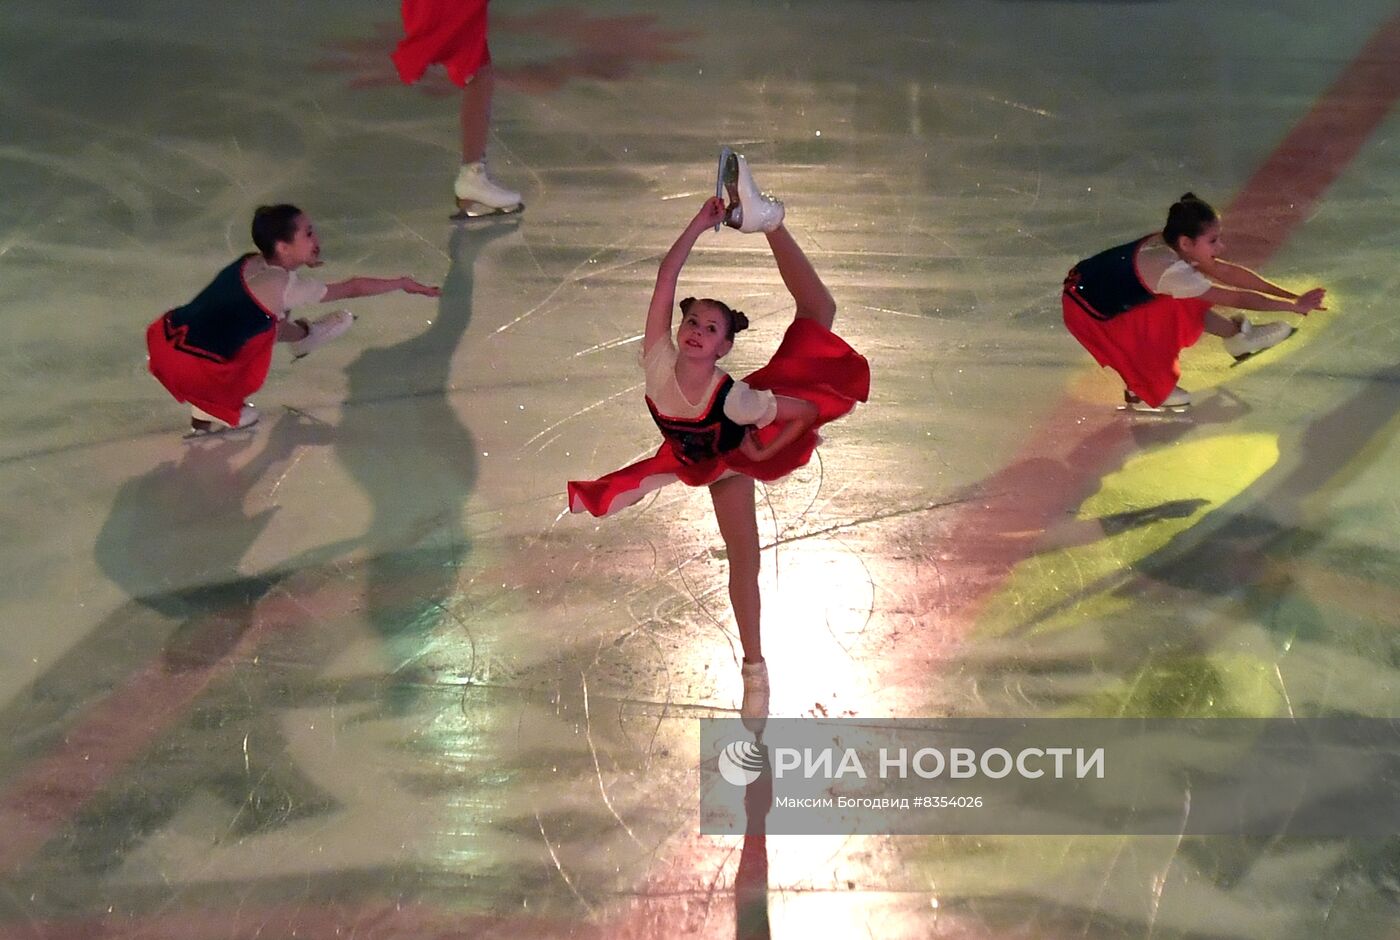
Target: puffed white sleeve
(1182, 280)
(750, 406)
(301, 291)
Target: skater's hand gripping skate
(1310, 301)
(752, 449)
(794, 417)
(712, 213)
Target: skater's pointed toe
(321, 331)
(754, 707)
(1253, 338)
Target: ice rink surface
(352, 674)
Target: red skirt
(218, 387)
(452, 32)
(811, 363)
(1144, 344)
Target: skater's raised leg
(814, 301)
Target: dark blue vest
(696, 440)
(221, 318)
(1107, 284)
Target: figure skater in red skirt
(1136, 306)
(215, 351)
(453, 33)
(724, 433)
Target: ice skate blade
(468, 211)
(205, 430)
(1173, 411)
(1251, 355)
(724, 178)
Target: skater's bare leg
(1217, 324)
(738, 524)
(814, 301)
(476, 191)
(476, 114)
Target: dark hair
(735, 318)
(273, 224)
(1187, 218)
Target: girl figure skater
(453, 33)
(1136, 306)
(215, 350)
(724, 433)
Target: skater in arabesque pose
(1134, 307)
(215, 351)
(723, 433)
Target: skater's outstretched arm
(1252, 300)
(796, 415)
(373, 286)
(1235, 275)
(663, 296)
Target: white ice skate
(749, 209)
(321, 331)
(203, 424)
(1253, 339)
(1178, 401)
(478, 195)
(753, 711)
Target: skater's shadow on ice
(174, 542)
(751, 878)
(404, 442)
(176, 536)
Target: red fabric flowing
(811, 363)
(452, 32)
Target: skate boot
(203, 423)
(478, 195)
(1253, 339)
(749, 209)
(1177, 401)
(321, 331)
(754, 709)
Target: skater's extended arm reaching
(373, 286)
(1246, 290)
(663, 297)
(1193, 231)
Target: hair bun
(685, 303)
(741, 322)
(1189, 197)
